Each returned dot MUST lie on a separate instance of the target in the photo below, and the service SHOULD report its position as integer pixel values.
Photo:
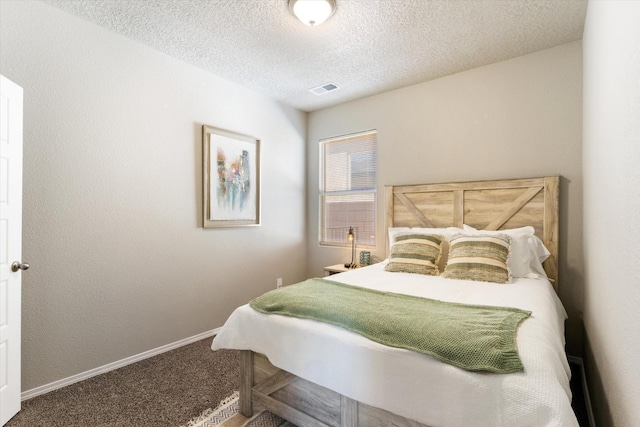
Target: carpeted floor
(166, 390)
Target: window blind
(348, 189)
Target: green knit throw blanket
(471, 337)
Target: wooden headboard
(485, 205)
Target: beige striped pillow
(479, 257)
(415, 253)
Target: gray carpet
(165, 390)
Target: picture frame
(230, 178)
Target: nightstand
(334, 269)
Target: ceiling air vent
(325, 88)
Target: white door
(10, 246)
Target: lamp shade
(312, 12)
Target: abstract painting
(231, 178)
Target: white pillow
(538, 253)
(519, 255)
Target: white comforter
(415, 385)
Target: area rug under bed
(227, 409)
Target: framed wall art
(231, 178)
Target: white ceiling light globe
(312, 12)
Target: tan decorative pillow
(415, 253)
(479, 257)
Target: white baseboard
(585, 390)
(115, 365)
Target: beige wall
(112, 185)
(611, 160)
(514, 119)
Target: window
(348, 189)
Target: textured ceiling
(366, 47)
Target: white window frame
(360, 242)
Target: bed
(316, 374)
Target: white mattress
(415, 385)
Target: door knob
(19, 266)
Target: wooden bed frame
(486, 205)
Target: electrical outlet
(279, 282)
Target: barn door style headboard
(485, 205)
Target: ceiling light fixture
(312, 12)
